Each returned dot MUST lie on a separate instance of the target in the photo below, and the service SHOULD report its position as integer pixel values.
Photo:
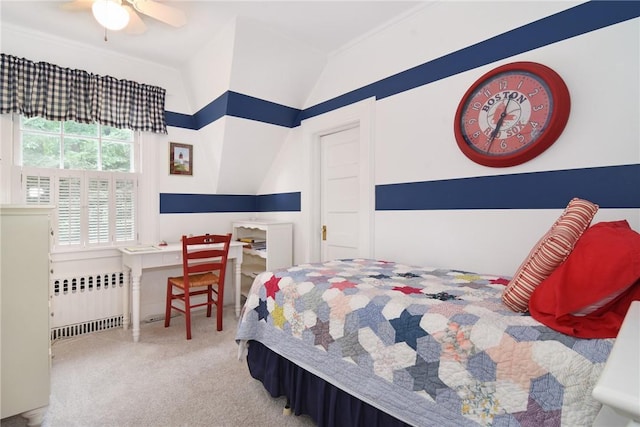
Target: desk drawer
(159, 259)
(172, 259)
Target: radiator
(86, 303)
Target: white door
(340, 183)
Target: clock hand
(496, 131)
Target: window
(88, 172)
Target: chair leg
(187, 312)
(167, 314)
(219, 314)
(209, 299)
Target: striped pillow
(550, 251)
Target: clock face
(512, 114)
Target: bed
(373, 342)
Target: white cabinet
(24, 323)
(269, 246)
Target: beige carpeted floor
(104, 379)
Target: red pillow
(588, 295)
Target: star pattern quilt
(431, 347)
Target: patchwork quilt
(431, 347)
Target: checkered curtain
(56, 93)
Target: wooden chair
(204, 268)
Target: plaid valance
(56, 93)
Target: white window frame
(110, 238)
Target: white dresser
(24, 324)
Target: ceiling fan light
(110, 14)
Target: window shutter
(125, 210)
(69, 211)
(98, 210)
(38, 190)
(96, 202)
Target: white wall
(417, 133)
(270, 65)
(414, 138)
(252, 59)
(433, 31)
(208, 74)
(247, 153)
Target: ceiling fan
(125, 14)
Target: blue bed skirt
(308, 394)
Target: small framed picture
(180, 159)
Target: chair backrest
(205, 253)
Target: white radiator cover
(86, 303)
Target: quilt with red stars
(431, 347)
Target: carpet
(104, 379)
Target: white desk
(137, 258)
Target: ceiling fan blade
(167, 14)
(135, 25)
(77, 5)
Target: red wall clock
(512, 114)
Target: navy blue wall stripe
(179, 120)
(248, 107)
(206, 203)
(282, 202)
(211, 112)
(236, 105)
(199, 203)
(569, 23)
(609, 187)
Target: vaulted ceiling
(325, 26)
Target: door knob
(324, 232)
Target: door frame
(360, 114)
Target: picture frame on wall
(180, 159)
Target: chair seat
(196, 280)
